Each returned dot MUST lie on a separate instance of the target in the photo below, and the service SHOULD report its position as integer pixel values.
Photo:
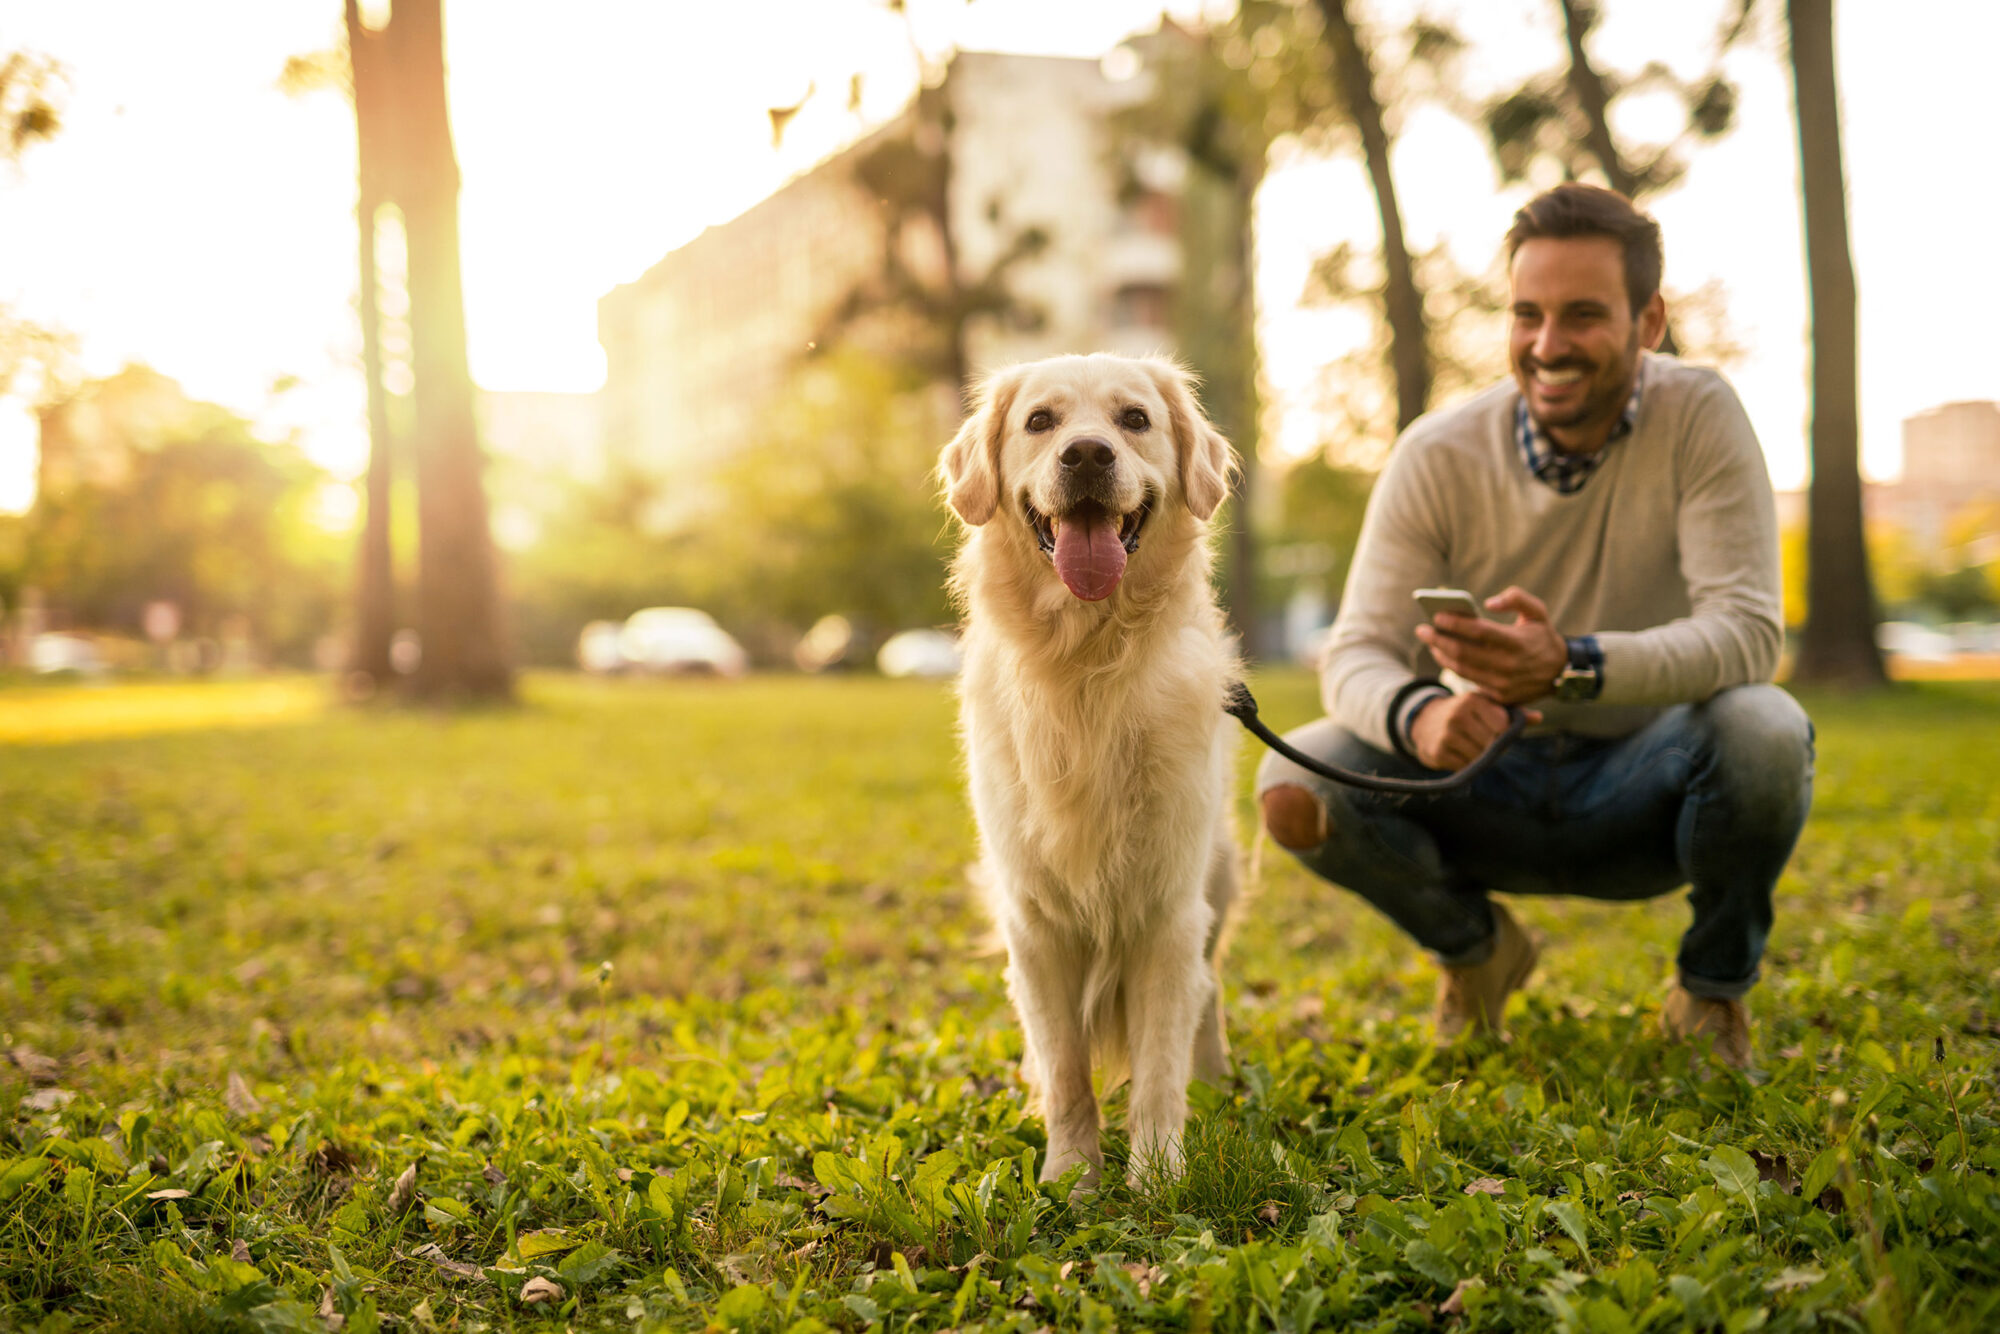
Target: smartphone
(1454, 600)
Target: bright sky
(192, 216)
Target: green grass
(252, 976)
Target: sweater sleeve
(1401, 548)
(1727, 532)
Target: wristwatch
(1582, 677)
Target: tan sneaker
(1725, 1022)
(1473, 999)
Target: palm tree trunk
(1409, 352)
(1839, 641)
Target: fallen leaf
(540, 1290)
(329, 1159)
(238, 1097)
(167, 1195)
(1455, 1304)
(404, 1192)
(1774, 1168)
(326, 1307)
(1486, 1186)
(47, 1100)
(39, 1068)
(433, 1252)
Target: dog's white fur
(1099, 756)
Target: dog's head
(1086, 454)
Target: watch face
(1576, 685)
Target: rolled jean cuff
(1701, 986)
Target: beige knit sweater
(1668, 554)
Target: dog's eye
(1041, 419)
(1135, 419)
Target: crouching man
(1615, 504)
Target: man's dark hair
(1573, 209)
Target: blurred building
(699, 345)
(1951, 464)
(1951, 471)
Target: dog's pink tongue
(1089, 557)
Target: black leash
(1242, 706)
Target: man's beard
(1609, 388)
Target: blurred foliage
(179, 502)
(1561, 118)
(30, 102)
(918, 305)
(1318, 521)
(829, 509)
(1958, 580)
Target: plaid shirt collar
(1568, 472)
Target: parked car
(49, 653)
(1907, 639)
(926, 653)
(679, 640)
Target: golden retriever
(1099, 756)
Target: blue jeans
(1710, 795)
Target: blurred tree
(29, 114)
(1275, 70)
(364, 59)
(375, 572)
(28, 107)
(920, 302)
(1563, 116)
(400, 109)
(1402, 302)
(1838, 646)
(146, 495)
(1208, 104)
(817, 514)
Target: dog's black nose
(1088, 457)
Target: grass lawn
(305, 1018)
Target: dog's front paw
(1061, 1160)
(1155, 1160)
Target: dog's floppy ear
(1206, 461)
(970, 464)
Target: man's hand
(1452, 731)
(1512, 663)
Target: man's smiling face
(1575, 340)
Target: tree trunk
(1838, 646)
(375, 583)
(458, 604)
(1586, 85)
(1409, 352)
(1242, 407)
